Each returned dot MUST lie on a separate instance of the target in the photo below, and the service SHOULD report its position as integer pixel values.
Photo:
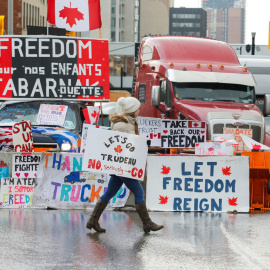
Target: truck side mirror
(266, 104)
(155, 98)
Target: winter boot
(148, 224)
(93, 220)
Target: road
(58, 239)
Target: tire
(268, 186)
(72, 182)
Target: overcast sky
(257, 18)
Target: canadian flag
(74, 15)
(196, 124)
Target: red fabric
(86, 115)
(51, 12)
(94, 14)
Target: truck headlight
(65, 146)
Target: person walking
(124, 122)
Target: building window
(29, 15)
(23, 15)
(33, 10)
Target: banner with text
(16, 192)
(182, 133)
(63, 184)
(22, 137)
(116, 153)
(25, 166)
(150, 128)
(33, 67)
(192, 183)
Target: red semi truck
(200, 79)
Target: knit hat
(129, 104)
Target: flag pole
(100, 34)
(47, 29)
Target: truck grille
(256, 130)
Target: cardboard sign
(252, 144)
(116, 153)
(84, 134)
(213, 149)
(237, 135)
(25, 166)
(63, 184)
(33, 67)
(150, 128)
(53, 115)
(91, 114)
(16, 192)
(22, 137)
(192, 183)
(182, 133)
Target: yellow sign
(71, 33)
(2, 17)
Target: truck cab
(200, 79)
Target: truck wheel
(268, 186)
(72, 182)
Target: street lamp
(253, 34)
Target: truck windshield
(28, 111)
(214, 92)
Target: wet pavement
(58, 239)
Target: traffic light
(71, 33)
(2, 17)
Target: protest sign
(252, 144)
(63, 184)
(237, 135)
(84, 134)
(4, 170)
(192, 183)
(33, 67)
(25, 166)
(16, 192)
(91, 114)
(150, 128)
(22, 137)
(213, 149)
(116, 153)
(182, 133)
(53, 115)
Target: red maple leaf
(226, 171)
(118, 149)
(195, 124)
(232, 201)
(165, 170)
(94, 114)
(163, 200)
(256, 146)
(71, 14)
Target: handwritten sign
(116, 153)
(63, 184)
(182, 133)
(22, 137)
(84, 134)
(252, 144)
(192, 183)
(237, 135)
(16, 192)
(49, 114)
(25, 166)
(150, 128)
(213, 149)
